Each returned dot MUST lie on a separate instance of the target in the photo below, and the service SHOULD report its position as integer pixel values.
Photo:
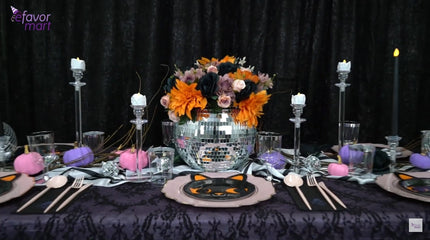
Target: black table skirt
(141, 211)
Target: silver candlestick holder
(78, 75)
(342, 85)
(140, 174)
(297, 120)
(393, 143)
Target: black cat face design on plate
(219, 189)
(413, 184)
(6, 183)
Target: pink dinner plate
(173, 189)
(19, 186)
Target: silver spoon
(294, 180)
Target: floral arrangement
(217, 84)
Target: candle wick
(140, 80)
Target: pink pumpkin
(420, 161)
(338, 169)
(29, 162)
(127, 159)
(78, 157)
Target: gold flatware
(323, 186)
(69, 199)
(55, 182)
(294, 180)
(76, 184)
(312, 182)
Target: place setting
(58, 193)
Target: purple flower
(189, 76)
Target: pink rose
(224, 101)
(213, 69)
(172, 116)
(238, 85)
(165, 101)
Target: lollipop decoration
(78, 67)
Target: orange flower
(184, 97)
(244, 75)
(204, 61)
(252, 108)
(228, 58)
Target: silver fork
(312, 182)
(76, 184)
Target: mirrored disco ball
(215, 143)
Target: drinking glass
(350, 132)
(361, 158)
(425, 142)
(94, 140)
(269, 148)
(43, 143)
(168, 131)
(161, 164)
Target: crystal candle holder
(297, 120)
(78, 75)
(393, 143)
(142, 173)
(342, 85)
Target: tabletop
(141, 211)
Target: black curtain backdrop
(301, 41)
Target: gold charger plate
(19, 186)
(390, 183)
(173, 189)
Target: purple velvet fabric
(141, 211)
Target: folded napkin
(314, 197)
(38, 206)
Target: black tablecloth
(141, 211)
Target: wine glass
(43, 143)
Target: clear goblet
(43, 143)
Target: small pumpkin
(79, 156)
(350, 156)
(29, 162)
(420, 161)
(127, 159)
(338, 169)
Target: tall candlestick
(78, 67)
(298, 103)
(343, 68)
(395, 111)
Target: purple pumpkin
(78, 157)
(350, 156)
(420, 161)
(29, 162)
(276, 159)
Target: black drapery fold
(299, 41)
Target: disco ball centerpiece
(214, 143)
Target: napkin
(38, 206)
(314, 197)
